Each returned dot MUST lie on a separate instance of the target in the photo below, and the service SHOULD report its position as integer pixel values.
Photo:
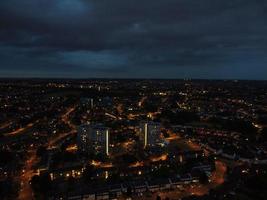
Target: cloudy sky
(217, 39)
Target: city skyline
(130, 139)
(117, 39)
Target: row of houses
(233, 156)
(137, 188)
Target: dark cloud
(134, 38)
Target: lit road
(26, 192)
(100, 164)
(216, 179)
(142, 101)
(66, 120)
(159, 158)
(5, 125)
(21, 130)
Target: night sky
(211, 39)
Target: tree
(41, 151)
(88, 172)
(158, 198)
(8, 189)
(41, 184)
(165, 133)
(263, 135)
(129, 191)
(203, 178)
(71, 182)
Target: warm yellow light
(107, 142)
(146, 127)
(106, 174)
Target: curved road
(25, 192)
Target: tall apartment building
(150, 133)
(93, 137)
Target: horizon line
(125, 78)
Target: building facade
(150, 134)
(93, 137)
